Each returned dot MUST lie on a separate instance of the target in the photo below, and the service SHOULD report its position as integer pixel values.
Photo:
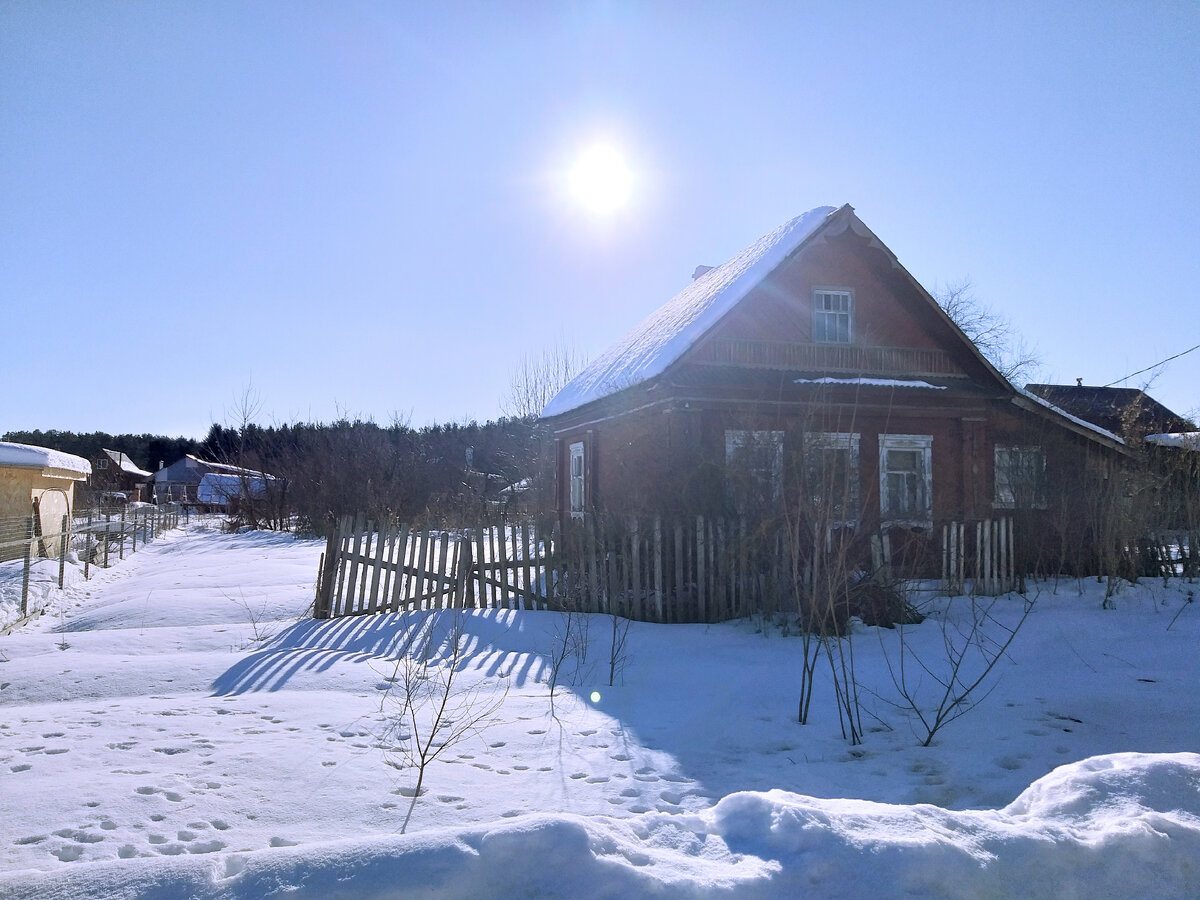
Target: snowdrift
(1124, 825)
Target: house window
(102, 464)
(906, 478)
(754, 469)
(1020, 478)
(832, 311)
(831, 476)
(576, 480)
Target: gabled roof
(667, 333)
(125, 464)
(203, 466)
(1113, 409)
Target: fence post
(25, 571)
(122, 551)
(326, 575)
(62, 551)
(87, 549)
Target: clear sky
(366, 208)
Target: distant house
(1118, 410)
(115, 474)
(814, 349)
(181, 481)
(36, 478)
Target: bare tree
(959, 673)
(989, 330)
(538, 377)
(426, 708)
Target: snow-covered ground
(181, 730)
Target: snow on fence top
(27, 456)
(669, 331)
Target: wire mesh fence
(42, 552)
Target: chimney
(701, 270)
(1078, 382)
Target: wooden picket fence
(698, 570)
(377, 569)
(985, 552)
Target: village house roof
(1113, 409)
(126, 465)
(196, 464)
(666, 334)
(27, 456)
(664, 337)
(1186, 440)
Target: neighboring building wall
(18, 488)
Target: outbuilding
(35, 481)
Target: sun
(601, 180)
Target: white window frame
(1005, 495)
(849, 442)
(577, 480)
(736, 440)
(922, 443)
(827, 316)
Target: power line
(1155, 366)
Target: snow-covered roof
(664, 336)
(1188, 440)
(874, 382)
(126, 464)
(163, 476)
(27, 456)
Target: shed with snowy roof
(113, 473)
(813, 353)
(37, 479)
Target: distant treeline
(325, 470)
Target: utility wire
(1155, 366)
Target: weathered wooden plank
(444, 582)
(381, 541)
(531, 594)
(397, 581)
(480, 566)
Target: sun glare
(601, 180)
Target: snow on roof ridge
(666, 334)
(31, 457)
(873, 382)
(1066, 415)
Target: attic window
(832, 311)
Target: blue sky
(361, 208)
